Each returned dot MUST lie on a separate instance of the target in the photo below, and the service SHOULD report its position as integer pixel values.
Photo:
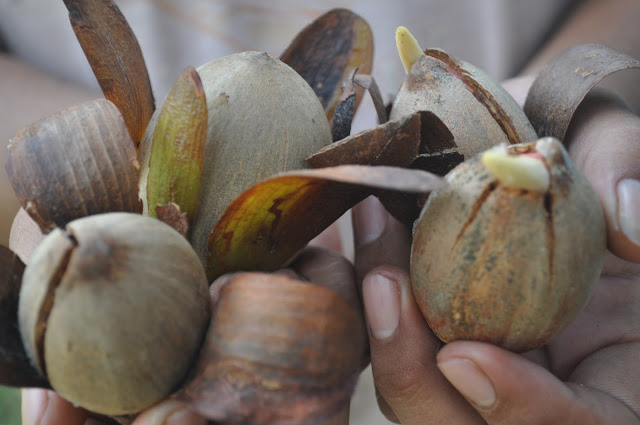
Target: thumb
(403, 355)
(505, 388)
(604, 142)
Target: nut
(477, 110)
(77, 162)
(510, 258)
(279, 351)
(113, 311)
(263, 119)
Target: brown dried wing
(345, 109)
(325, 51)
(395, 143)
(346, 106)
(268, 224)
(565, 81)
(115, 57)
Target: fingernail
(629, 209)
(382, 305)
(369, 221)
(472, 383)
(170, 412)
(34, 403)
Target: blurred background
(9, 406)
(42, 68)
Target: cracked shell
(478, 111)
(106, 318)
(501, 264)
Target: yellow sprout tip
(517, 171)
(408, 48)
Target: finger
(385, 409)
(505, 388)
(44, 407)
(329, 238)
(337, 237)
(604, 142)
(379, 238)
(169, 412)
(403, 355)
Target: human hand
(586, 375)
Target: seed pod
(279, 351)
(263, 119)
(77, 162)
(511, 250)
(171, 166)
(106, 318)
(477, 110)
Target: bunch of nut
(144, 208)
